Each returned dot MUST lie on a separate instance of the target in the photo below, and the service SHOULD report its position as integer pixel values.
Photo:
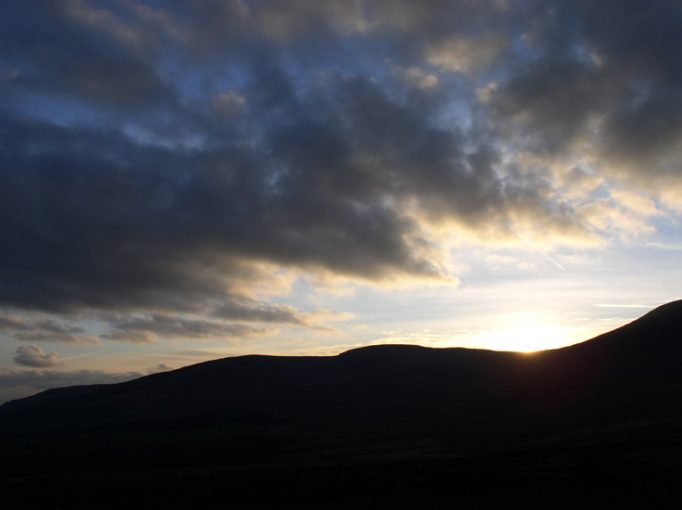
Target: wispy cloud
(665, 246)
(623, 305)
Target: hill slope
(376, 405)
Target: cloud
(160, 367)
(465, 54)
(70, 48)
(615, 87)
(614, 305)
(163, 166)
(665, 246)
(175, 229)
(415, 77)
(148, 328)
(249, 310)
(229, 103)
(34, 356)
(39, 329)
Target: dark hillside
(601, 410)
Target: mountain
(607, 409)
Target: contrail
(534, 247)
(553, 261)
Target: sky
(182, 181)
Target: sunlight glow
(526, 333)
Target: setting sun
(527, 333)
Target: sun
(526, 333)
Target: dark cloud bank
(162, 158)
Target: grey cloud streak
(148, 328)
(34, 356)
(42, 329)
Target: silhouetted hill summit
(660, 330)
(373, 404)
(647, 349)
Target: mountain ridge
(592, 355)
(667, 312)
(604, 410)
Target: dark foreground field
(599, 422)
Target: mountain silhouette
(580, 412)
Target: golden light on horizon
(527, 333)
